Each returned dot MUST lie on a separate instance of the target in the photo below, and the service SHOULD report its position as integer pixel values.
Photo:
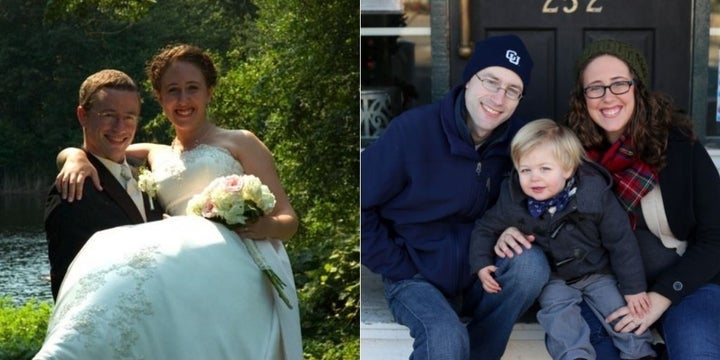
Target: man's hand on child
(511, 242)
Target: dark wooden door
(556, 31)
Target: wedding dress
(180, 288)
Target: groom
(108, 113)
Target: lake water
(24, 267)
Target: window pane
(395, 61)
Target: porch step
(383, 338)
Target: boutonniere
(147, 184)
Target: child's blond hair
(564, 144)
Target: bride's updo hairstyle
(186, 53)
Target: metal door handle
(465, 47)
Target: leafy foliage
(295, 84)
(49, 50)
(317, 350)
(129, 10)
(22, 328)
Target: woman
(183, 287)
(669, 186)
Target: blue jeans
(690, 328)
(435, 321)
(599, 337)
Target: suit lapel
(115, 191)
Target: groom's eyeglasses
(112, 117)
(493, 85)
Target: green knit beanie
(625, 52)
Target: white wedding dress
(180, 288)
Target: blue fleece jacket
(423, 185)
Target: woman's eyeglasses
(617, 88)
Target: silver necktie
(131, 186)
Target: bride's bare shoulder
(244, 145)
(239, 139)
(236, 134)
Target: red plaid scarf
(632, 178)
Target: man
(435, 170)
(108, 113)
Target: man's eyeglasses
(112, 117)
(493, 85)
(617, 88)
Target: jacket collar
(114, 190)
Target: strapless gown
(180, 288)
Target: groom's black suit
(69, 225)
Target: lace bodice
(180, 176)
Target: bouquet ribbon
(259, 260)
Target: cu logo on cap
(512, 57)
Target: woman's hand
(264, 228)
(488, 281)
(627, 323)
(511, 242)
(75, 168)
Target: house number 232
(548, 8)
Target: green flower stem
(277, 283)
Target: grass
(22, 328)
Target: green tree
(48, 52)
(295, 83)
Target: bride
(183, 287)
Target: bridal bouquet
(233, 200)
(236, 200)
